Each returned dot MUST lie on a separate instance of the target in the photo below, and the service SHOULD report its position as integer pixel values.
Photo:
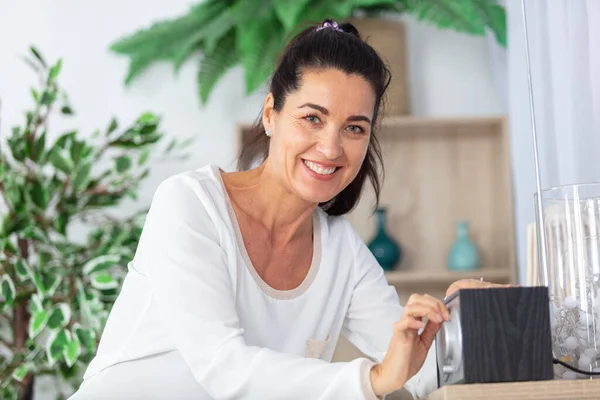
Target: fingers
(418, 308)
(429, 301)
(475, 284)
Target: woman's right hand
(408, 349)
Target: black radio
(495, 335)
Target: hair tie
(331, 25)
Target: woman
(242, 282)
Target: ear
(268, 112)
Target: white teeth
(318, 169)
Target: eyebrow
(326, 112)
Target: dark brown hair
(326, 46)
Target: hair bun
(349, 28)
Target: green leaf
(66, 110)
(60, 316)
(22, 269)
(35, 305)
(35, 95)
(87, 338)
(60, 160)
(72, 351)
(54, 71)
(61, 222)
(82, 176)
(37, 152)
(35, 233)
(100, 263)
(51, 281)
(131, 194)
(20, 373)
(17, 145)
(137, 65)
(289, 12)
(160, 38)
(258, 45)
(48, 97)
(207, 21)
(38, 56)
(9, 392)
(214, 65)
(56, 344)
(37, 281)
(39, 194)
(460, 15)
(12, 224)
(37, 323)
(78, 147)
(144, 156)
(496, 20)
(7, 289)
(114, 124)
(65, 139)
(318, 11)
(148, 118)
(103, 281)
(123, 163)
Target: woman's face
(320, 137)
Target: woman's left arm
(373, 309)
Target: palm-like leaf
(163, 40)
(216, 63)
(289, 12)
(258, 46)
(461, 15)
(251, 32)
(211, 20)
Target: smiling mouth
(319, 169)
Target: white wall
(450, 74)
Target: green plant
(56, 291)
(252, 32)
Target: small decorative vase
(463, 255)
(386, 250)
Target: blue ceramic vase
(385, 249)
(463, 255)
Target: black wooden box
(495, 335)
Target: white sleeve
(180, 253)
(373, 310)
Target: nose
(330, 144)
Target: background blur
(456, 83)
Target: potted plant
(251, 32)
(55, 290)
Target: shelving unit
(439, 171)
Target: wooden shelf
(548, 390)
(439, 171)
(410, 122)
(399, 278)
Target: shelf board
(445, 276)
(557, 389)
(410, 121)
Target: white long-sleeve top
(194, 320)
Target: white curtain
(564, 47)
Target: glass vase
(463, 254)
(385, 249)
(572, 225)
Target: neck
(263, 198)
